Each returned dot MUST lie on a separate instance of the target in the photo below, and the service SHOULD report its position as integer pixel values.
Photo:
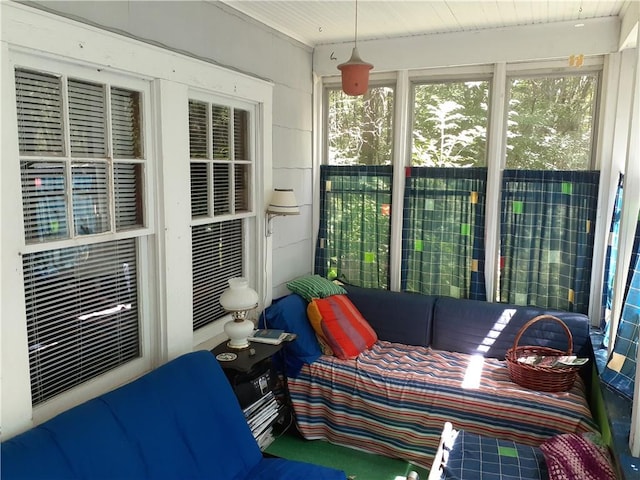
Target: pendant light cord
(356, 36)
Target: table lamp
(238, 299)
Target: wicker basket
(540, 377)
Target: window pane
(197, 129)
(87, 124)
(125, 126)
(241, 187)
(127, 180)
(44, 204)
(221, 189)
(90, 198)
(360, 130)
(220, 132)
(216, 257)
(551, 122)
(82, 314)
(199, 189)
(240, 135)
(450, 124)
(39, 105)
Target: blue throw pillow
(289, 313)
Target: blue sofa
(180, 421)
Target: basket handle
(545, 317)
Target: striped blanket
(393, 400)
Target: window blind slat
(221, 189)
(216, 257)
(197, 129)
(127, 179)
(44, 203)
(90, 198)
(240, 134)
(241, 187)
(199, 189)
(220, 132)
(82, 313)
(125, 128)
(39, 108)
(87, 113)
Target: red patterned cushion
(339, 323)
(570, 456)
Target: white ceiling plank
(321, 22)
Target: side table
(251, 375)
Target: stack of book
(270, 335)
(260, 416)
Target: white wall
(216, 33)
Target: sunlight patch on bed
(473, 374)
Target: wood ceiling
(318, 22)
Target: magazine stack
(260, 416)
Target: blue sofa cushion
(289, 313)
(477, 327)
(164, 425)
(395, 316)
(19, 455)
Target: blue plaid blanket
(475, 457)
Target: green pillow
(314, 286)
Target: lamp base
(238, 331)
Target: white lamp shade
(239, 296)
(283, 202)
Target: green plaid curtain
(443, 232)
(547, 227)
(355, 224)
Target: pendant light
(355, 72)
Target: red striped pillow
(339, 323)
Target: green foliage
(550, 122)
(450, 124)
(360, 128)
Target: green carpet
(356, 464)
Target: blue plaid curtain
(355, 224)
(610, 262)
(443, 232)
(620, 372)
(547, 226)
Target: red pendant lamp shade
(355, 74)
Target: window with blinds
(221, 176)
(217, 256)
(82, 168)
